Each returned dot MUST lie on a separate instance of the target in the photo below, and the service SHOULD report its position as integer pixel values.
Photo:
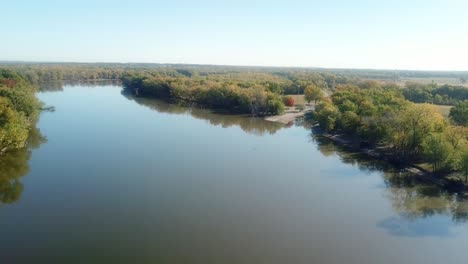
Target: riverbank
(290, 114)
(448, 182)
(383, 153)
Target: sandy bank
(290, 115)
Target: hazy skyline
(421, 35)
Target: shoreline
(290, 115)
(448, 184)
(423, 174)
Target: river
(119, 179)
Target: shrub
(275, 107)
(288, 101)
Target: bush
(288, 101)
(275, 107)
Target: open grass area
(428, 80)
(444, 109)
(298, 99)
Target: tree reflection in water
(412, 198)
(250, 125)
(14, 165)
(57, 86)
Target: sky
(390, 34)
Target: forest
(381, 117)
(256, 98)
(285, 80)
(436, 94)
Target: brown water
(131, 180)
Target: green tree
(13, 127)
(327, 116)
(410, 127)
(350, 121)
(275, 106)
(463, 163)
(275, 88)
(459, 113)
(313, 93)
(437, 151)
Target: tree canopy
(382, 116)
(18, 110)
(459, 113)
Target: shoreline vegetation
(380, 122)
(365, 110)
(451, 184)
(19, 110)
(257, 99)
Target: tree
(410, 127)
(437, 151)
(313, 93)
(13, 127)
(275, 106)
(456, 135)
(275, 88)
(459, 113)
(327, 115)
(350, 121)
(463, 163)
(258, 100)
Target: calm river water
(118, 179)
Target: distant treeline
(288, 80)
(205, 70)
(279, 80)
(284, 80)
(432, 93)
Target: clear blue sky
(391, 34)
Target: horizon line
(228, 65)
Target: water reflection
(14, 165)
(254, 126)
(423, 209)
(400, 226)
(51, 87)
(58, 85)
(361, 161)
